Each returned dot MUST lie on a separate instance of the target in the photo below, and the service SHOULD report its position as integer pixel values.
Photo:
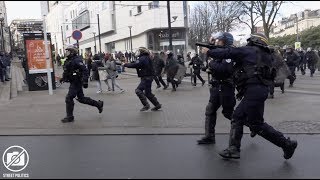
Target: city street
(38, 113)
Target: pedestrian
(145, 71)
(58, 60)
(197, 65)
(76, 73)
(253, 75)
(111, 67)
(222, 88)
(96, 64)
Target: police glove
(85, 84)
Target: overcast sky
(32, 10)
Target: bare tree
(225, 14)
(268, 10)
(212, 16)
(201, 24)
(250, 14)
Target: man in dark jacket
(197, 64)
(311, 59)
(159, 64)
(171, 69)
(145, 71)
(292, 59)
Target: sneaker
(203, 82)
(158, 86)
(145, 108)
(291, 85)
(98, 92)
(164, 88)
(68, 119)
(230, 153)
(156, 108)
(291, 146)
(207, 140)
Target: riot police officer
(145, 71)
(76, 73)
(311, 59)
(253, 73)
(197, 64)
(171, 68)
(221, 88)
(292, 60)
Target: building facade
(296, 23)
(147, 21)
(4, 29)
(20, 26)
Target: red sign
(37, 56)
(76, 35)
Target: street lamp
(95, 44)
(130, 38)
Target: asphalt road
(160, 156)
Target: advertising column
(36, 61)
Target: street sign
(76, 34)
(297, 45)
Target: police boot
(230, 153)
(210, 124)
(143, 100)
(165, 87)
(69, 117)
(289, 148)
(174, 87)
(233, 151)
(155, 102)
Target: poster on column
(37, 56)
(36, 61)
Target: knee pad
(138, 92)
(81, 100)
(209, 109)
(69, 100)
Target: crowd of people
(5, 63)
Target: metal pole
(297, 29)
(169, 25)
(186, 28)
(62, 41)
(95, 43)
(47, 56)
(10, 39)
(131, 40)
(99, 33)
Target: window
(155, 4)
(138, 9)
(150, 5)
(67, 27)
(130, 13)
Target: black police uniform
(302, 63)
(312, 60)
(158, 67)
(76, 73)
(292, 60)
(252, 84)
(197, 63)
(145, 71)
(221, 94)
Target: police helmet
(142, 51)
(258, 39)
(309, 49)
(224, 36)
(72, 48)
